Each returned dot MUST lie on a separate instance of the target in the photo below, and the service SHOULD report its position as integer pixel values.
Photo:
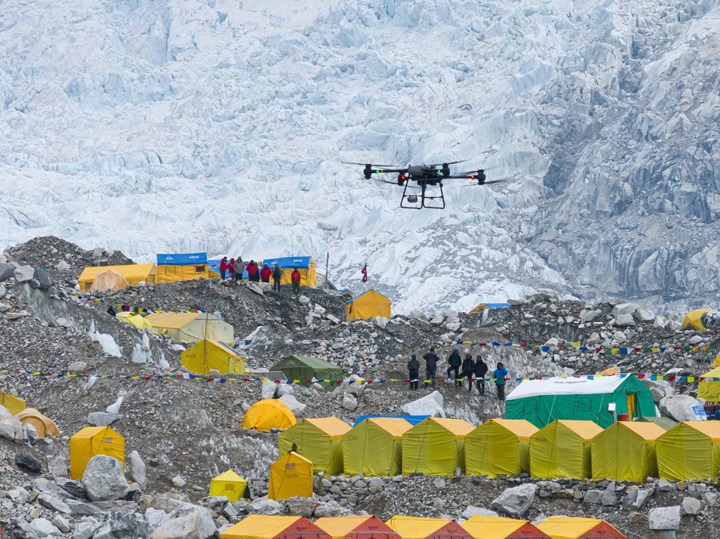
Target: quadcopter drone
(423, 176)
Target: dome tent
(269, 414)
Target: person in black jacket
(468, 369)
(431, 361)
(277, 276)
(481, 369)
(454, 360)
(413, 372)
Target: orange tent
(274, 527)
(427, 528)
(579, 528)
(363, 527)
(486, 527)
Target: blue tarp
(289, 262)
(184, 259)
(496, 305)
(412, 419)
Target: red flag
(364, 273)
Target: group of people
(466, 369)
(236, 267)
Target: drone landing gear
(423, 200)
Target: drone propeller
(447, 163)
(368, 164)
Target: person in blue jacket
(499, 375)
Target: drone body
(423, 176)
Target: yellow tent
(230, 485)
(625, 451)
(191, 327)
(319, 440)
(367, 305)
(356, 527)
(183, 267)
(561, 449)
(499, 447)
(486, 527)
(427, 528)
(578, 528)
(708, 388)
(13, 404)
(267, 415)
(693, 320)
(610, 371)
(304, 264)
(92, 441)
(373, 447)
(716, 363)
(43, 424)
(291, 475)
(108, 280)
(210, 354)
(133, 274)
(435, 446)
(690, 450)
(274, 527)
(134, 320)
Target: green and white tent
(584, 398)
(307, 368)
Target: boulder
(44, 280)
(305, 507)
(268, 389)
(122, 525)
(6, 271)
(42, 527)
(291, 402)
(349, 402)
(609, 498)
(328, 509)
(3, 290)
(681, 408)
(515, 501)
(155, 517)
(593, 496)
(85, 528)
(28, 463)
(432, 405)
(11, 428)
(54, 503)
(265, 506)
(471, 511)
(24, 273)
(624, 308)
(102, 419)
(284, 389)
(103, 479)
(136, 469)
(186, 522)
(62, 266)
(664, 518)
(690, 506)
(624, 320)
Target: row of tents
(409, 527)
(626, 451)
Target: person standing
(431, 361)
(223, 267)
(499, 375)
(413, 372)
(468, 369)
(252, 270)
(277, 276)
(265, 273)
(481, 369)
(295, 279)
(231, 269)
(239, 268)
(454, 362)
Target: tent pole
(327, 268)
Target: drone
(423, 176)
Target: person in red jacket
(252, 269)
(295, 278)
(265, 273)
(231, 268)
(223, 267)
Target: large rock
(624, 308)
(265, 506)
(103, 479)
(432, 405)
(6, 271)
(515, 501)
(122, 525)
(624, 320)
(102, 419)
(186, 522)
(136, 469)
(690, 506)
(681, 408)
(349, 402)
(471, 511)
(42, 527)
(268, 389)
(328, 509)
(50, 501)
(291, 402)
(28, 463)
(24, 273)
(11, 428)
(305, 507)
(664, 518)
(44, 280)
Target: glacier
(221, 126)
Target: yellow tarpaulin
(562, 450)
(690, 450)
(708, 388)
(274, 527)
(368, 305)
(291, 475)
(693, 319)
(43, 424)
(499, 447)
(13, 404)
(717, 361)
(267, 415)
(423, 527)
(625, 451)
(435, 446)
(209, 354)
(578, 528)
(230, 485)
(374, 447)
(356, 527)
(191, 327)
(184, 272)
(318, 439)
(132, 273)
(486, 527)
(134, 320)
(92, 441)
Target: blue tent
(184, 259)
(412, 419)
(300, 262)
